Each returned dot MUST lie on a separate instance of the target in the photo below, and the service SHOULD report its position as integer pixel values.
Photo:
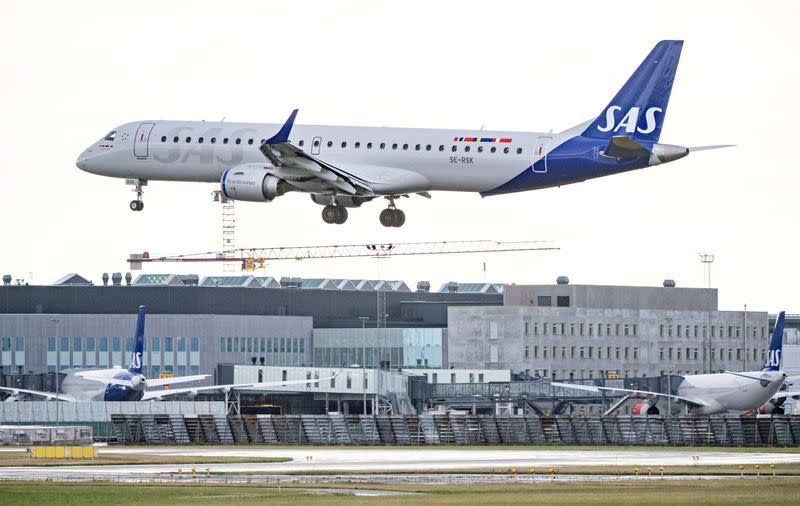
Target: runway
(387, 460)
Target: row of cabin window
(357, 145)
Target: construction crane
(256, 258)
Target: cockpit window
(111, 135)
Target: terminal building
(568, 332)
(463, 345)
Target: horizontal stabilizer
(716, 146)
(622, 146)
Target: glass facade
(403, 348)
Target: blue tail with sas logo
(135, 366)
(639, 108)
(773, 362)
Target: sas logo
(630, 120)
(774, 358)
(136, 360)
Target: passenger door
(142, 139)
(542, 146)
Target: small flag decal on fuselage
(481, 139)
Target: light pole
(56, 321)
(707, 259)
(364, 359)
(745, 337)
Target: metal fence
(455, 429)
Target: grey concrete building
(174, 343)
(567, 331)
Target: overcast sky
(71, 71)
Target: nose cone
(82, 161)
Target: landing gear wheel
(399, 218)
(387, 217)
(330, 214)
(136, 205)
(342, 211)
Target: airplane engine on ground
(250, 182)
(644, 408)
(773, 407)
(341, 200)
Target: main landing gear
(392, 217)
(138, 205)
(334, 214)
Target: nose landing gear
(138, 205)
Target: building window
(527, 352)
(535, 352)
(116, 344)
(527, 328)
(492, 330)
(472, 377)
(452, 377)
(493, 354)
(562, 301)
(480, 377)
(434, 378)
(77, 344)
(544, 300)
(51, 343)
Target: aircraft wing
(161, 394)
(284, 155)
(786, 393)
(158, 382)
(635, 393)
(15, 392)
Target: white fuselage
(394, 160)
(731, 392)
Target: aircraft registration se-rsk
(345, 166)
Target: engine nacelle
(342, 200)
(251, 183)
(644, 409)
(773, 407)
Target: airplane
(343, 167)
(709, 394)
(118, 384)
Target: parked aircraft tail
(639, 107)
(773, 362)
(135, 366)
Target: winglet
(283, 133)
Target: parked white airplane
(344, 167)
(118, 384)
(708, 394)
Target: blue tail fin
(135, 366)
(639, 107)
(773, 362)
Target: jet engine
(342, 200)
(251, 183)
(644, 408)
(773, 407)
(138, 382)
